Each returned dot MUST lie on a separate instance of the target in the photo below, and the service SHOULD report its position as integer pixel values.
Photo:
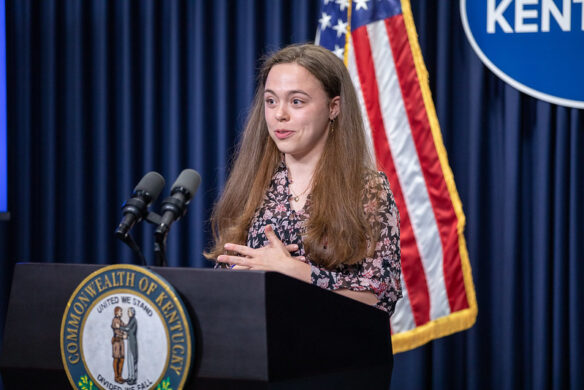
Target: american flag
(378, 42)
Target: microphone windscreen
(152, 183)
(189, 179)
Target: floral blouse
(379, 274)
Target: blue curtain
(101, 92)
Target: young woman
(303, 197)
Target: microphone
(136, 208)
(174, 207)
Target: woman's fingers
(271, 236)
(234, 260)
(247, 251)
(274, 256)
(241, 249)
(239, 267)
(291, 248)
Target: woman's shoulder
(376, 182)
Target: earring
(332, 125)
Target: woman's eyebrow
(292, 92)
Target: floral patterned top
(379, 274)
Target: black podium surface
(252, 329)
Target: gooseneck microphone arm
(129, 241)
(160, 251)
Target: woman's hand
(273, 257)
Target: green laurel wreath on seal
(164, 385)
(85, 383)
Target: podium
(252, 330)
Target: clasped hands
(273, 257)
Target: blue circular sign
(536, 46)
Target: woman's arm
(375, 280)
(366, 297)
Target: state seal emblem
(125, 328)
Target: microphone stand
(159, 240)
(160, 249)
(160, 235)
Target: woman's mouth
(283, 134)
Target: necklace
(296, 197)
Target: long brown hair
(337, 231)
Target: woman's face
(297, 111)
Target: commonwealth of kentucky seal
(125, 328)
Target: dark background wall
(100, 92)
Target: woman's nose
(281, 113)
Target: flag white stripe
(402, 319)
(408, 168)
(352, 67)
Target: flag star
(361, 4)
(342, 3)
(325, 21)
(339, 52)
(340, 28)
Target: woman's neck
(302, 169)
(300, 175)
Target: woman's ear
(334, 107)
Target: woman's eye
(270, 101)
(297, 101)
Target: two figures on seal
(125, 331)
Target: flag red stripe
(412, 268)
(430, 163)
